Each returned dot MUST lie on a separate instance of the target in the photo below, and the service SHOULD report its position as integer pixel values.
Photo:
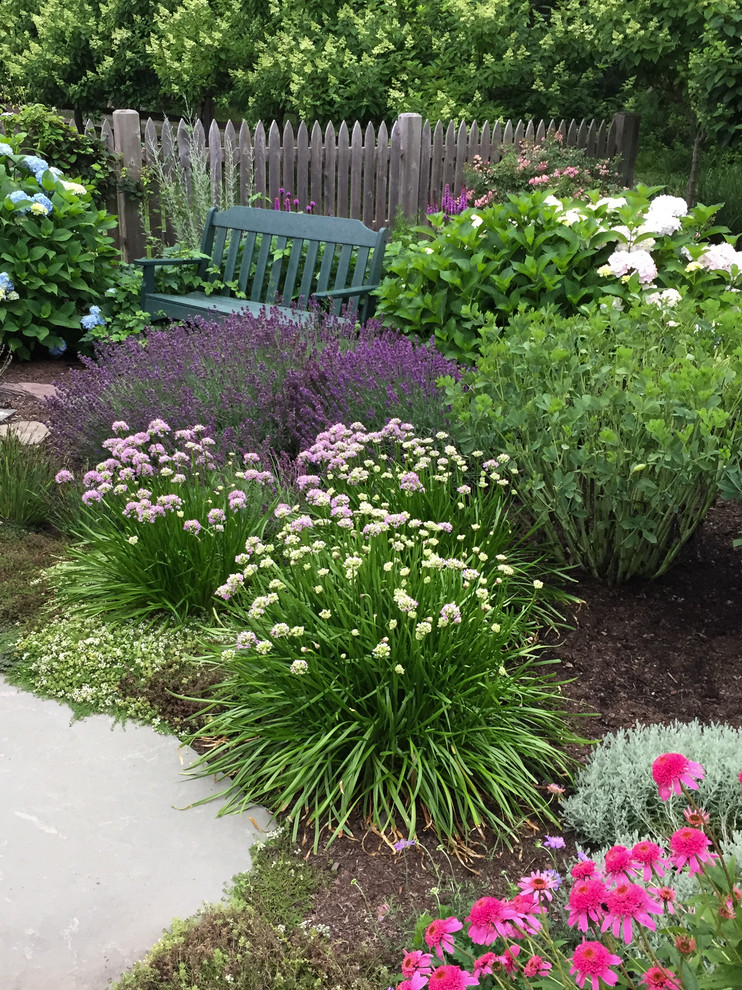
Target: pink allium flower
(483, 965)
(619, 864)
(488, 918)
(658, 978)
(690, 845)
(666, 897)
(649, 855)
(416, 962)
(439, 935)
(415, 982)
(696, 817)
(63, 476)
(585, 870)
(670, 770)
(536, 966)
(628, 903)
(452, 978)
(586, 900)
(591, 960)
(539, 883)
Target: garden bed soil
(649, 651)
(40, 372)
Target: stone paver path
(95, 857)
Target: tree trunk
(78, 119)
(690, 192)
(207, 112)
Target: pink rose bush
(695, 945)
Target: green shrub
(381, 652)
(615, 795)
(534, 250)
(55, 256)
(547, 164)
(85, 663)
(166, 547)
(621, 425)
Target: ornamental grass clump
(257, 382)
(161, 524)
(630, 927)
(381, 653)
(622, 424)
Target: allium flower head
(452, 978)
(592, 961)
(488, 918)
(671, 770)
(439, 934)
(690, 846)
(626, 903)
(63, 476)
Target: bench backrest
(274, 255)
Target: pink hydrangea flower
(619, 864)
(649, 855)
(626, 903)
(416, 961)
(586, 903)
(439, 935)
(592, 961)
(658, 978)
(488, 918)
(690, 845)
(671, 770)
(452, 978)
(538, 884)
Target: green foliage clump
(547, 164)
(615, 795)
(44, 132)
(534, 251)
(380, 650)
(83, 662)
(26, 481)
(54, 249)
(621, 425)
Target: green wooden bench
(271, 257)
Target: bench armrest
(149, 265)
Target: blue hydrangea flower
(34, 164)
(58, 349)
(16, 196)
(94, 319)
(5, 149)
(5, 282)
(45, 204)
(56, 172)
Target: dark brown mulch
(40, 372)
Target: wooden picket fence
(370, 174)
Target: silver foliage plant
(615, 795)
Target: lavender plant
(259, 383)
(380, 651)
(161, 525)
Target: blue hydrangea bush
(56, 257)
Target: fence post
(627, 142)
(411, 128)
(127, 138)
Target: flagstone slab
(28, 431)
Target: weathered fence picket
(369, 174)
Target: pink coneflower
(483, 965)
(619, 864)
(536, 966)
(417, 962)
(585, 870)
(439, 935)
(526, 909)
(666, 897)
(649, 855)
(685, 944)
(628, 903)
(658, 978)
(670, 770)
(690, 845)
(586, 900)
(416, 982)
(539, 884)
(507, 959)
(740, 778)
(452, 978)
(488, 918)
(696, 817)
(591, 960)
